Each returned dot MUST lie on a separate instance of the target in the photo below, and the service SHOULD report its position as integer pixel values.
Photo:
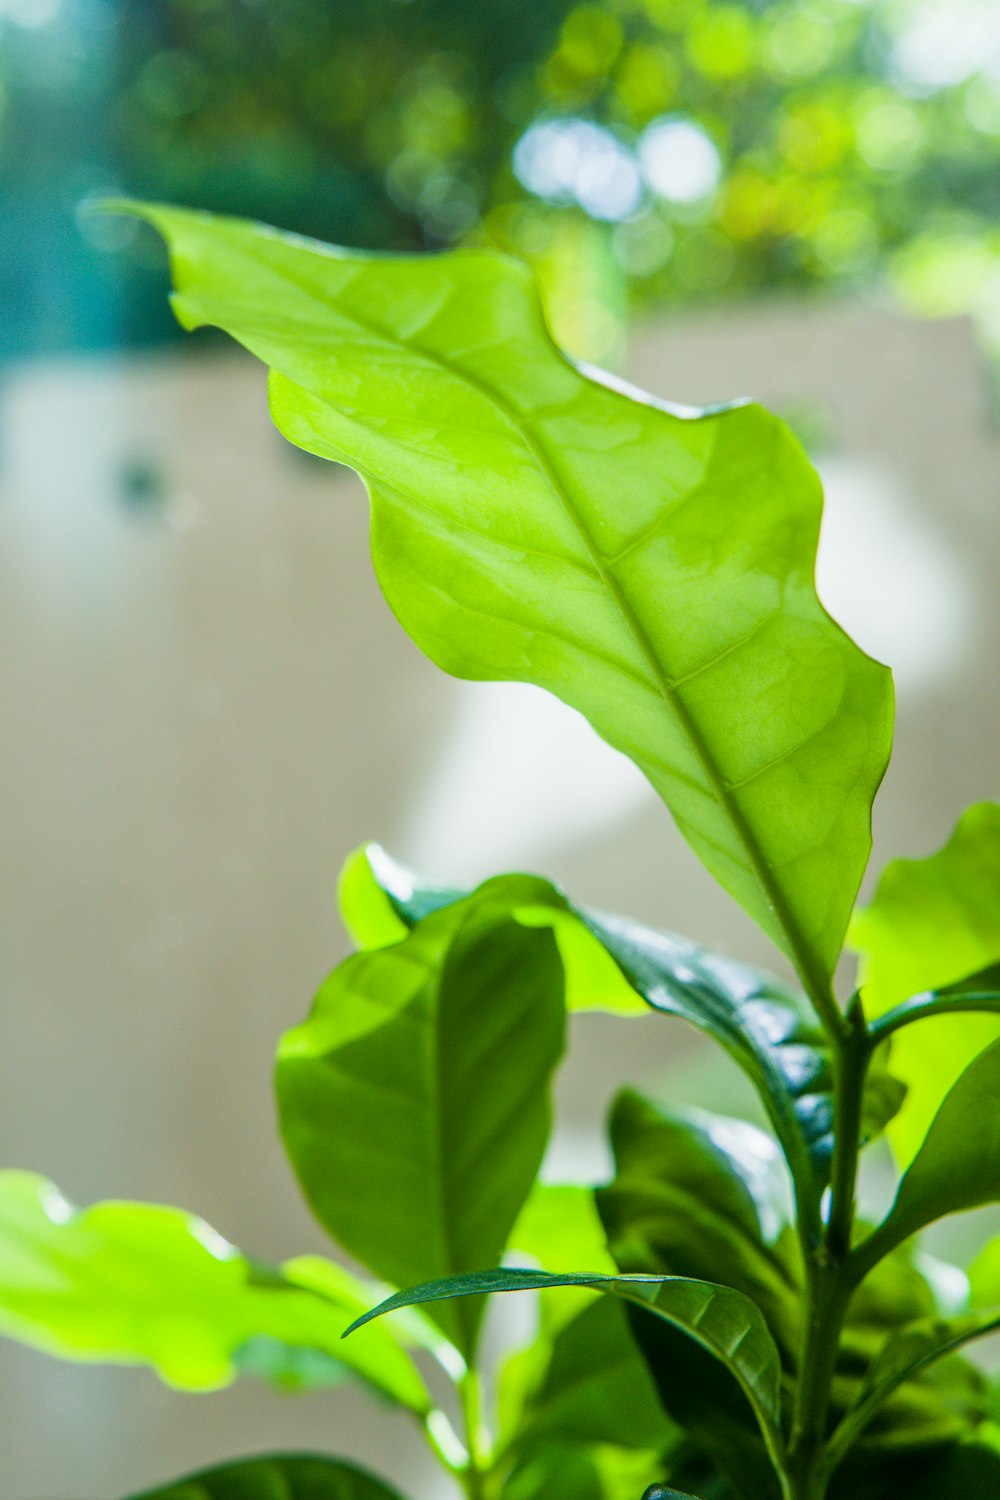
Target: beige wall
(208, 704)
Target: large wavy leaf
(608, 961)
(721, 1321)
(134, 1283)
(650, 565)
(932, 923)
(291, 1477)
(414, 1101)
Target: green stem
(829, 1273)
(475, 1475)
(918, 1007)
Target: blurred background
(207, 702)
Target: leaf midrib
(806, 961)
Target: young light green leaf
(295, 1477)
(700, 1195)
(559, 1226)
(681, 618)
(134, 1283)
(958, 1165)
(609, 961)
(561, 1470)
(931, 923)
(414, 1101)
(909, 1351)
(721, 1321)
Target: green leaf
(942, 1403)
(414, 1101)
(958, 1165)
(931, 923)
(580, 1471)
(292, 1477)
(595, 1386)
(768, 1030)
(905, 1355)
(134, 1283)
(883, 1098)
(723, 1322)
(969, 1471)
(681, 618)
(698, 1195)
(559, 1226)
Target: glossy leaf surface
(768, 1030)
(958, 1165)
(931, 923)
(291, 1477)
(134, 1283)
(414, 1101)
(681, 617)
(723, 1322)
(706, 1196)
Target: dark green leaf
(905, 1354)
(723, 1322)
(682, 619)
(414, 1101)
(608, 961)
(958, 1165)
(883, 1098)
(706, 1196)
(932, 923)
(292, 1477)
(134, 1283)
(969, 1471)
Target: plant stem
(474, 1476)
(829, 1276)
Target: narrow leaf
(958, 1165)
(292, 1477)
(680, 616)
(609, 961)
(414, 1101)
(723, 1322)
(931, 923)
(134, 1283)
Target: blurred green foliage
(637, 151)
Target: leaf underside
(532, 521)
